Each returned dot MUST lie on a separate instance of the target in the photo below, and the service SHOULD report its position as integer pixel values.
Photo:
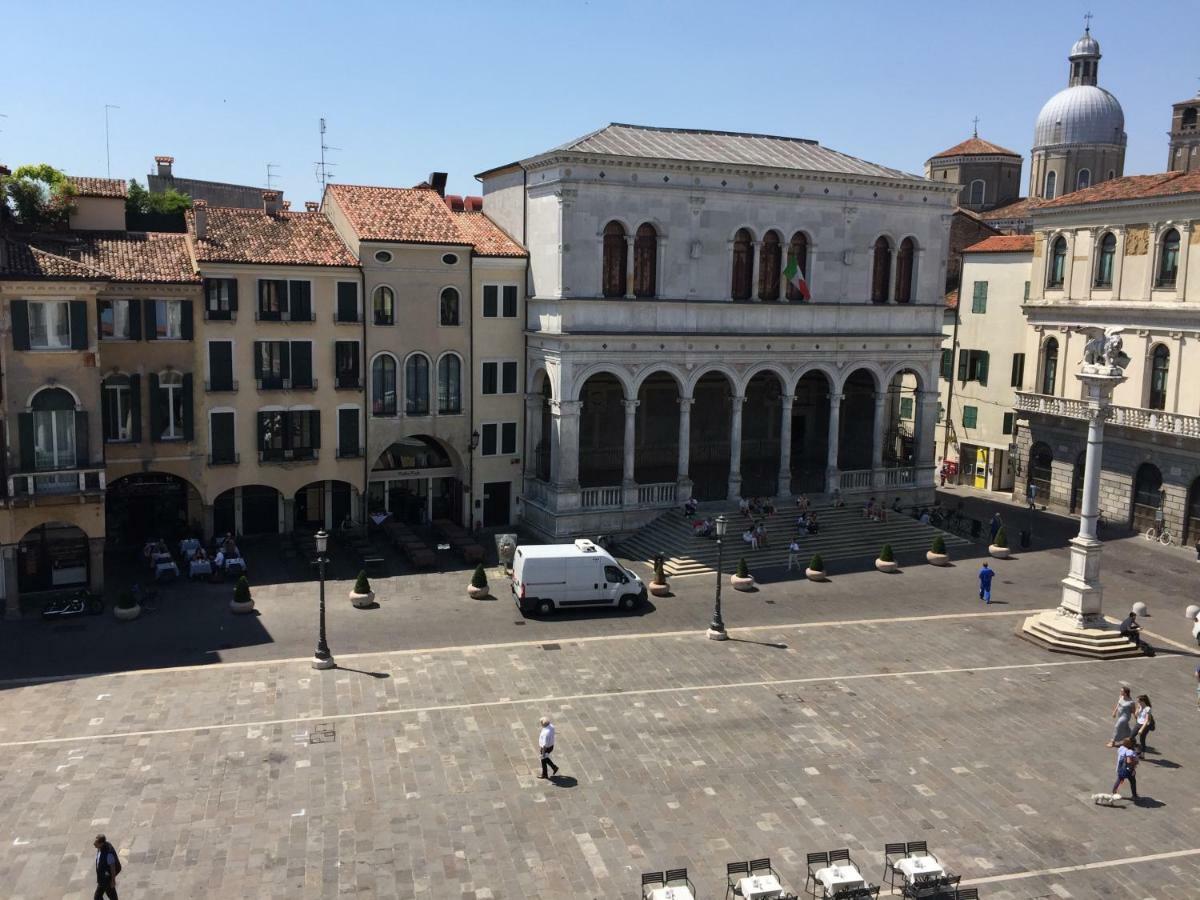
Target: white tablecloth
(919, 868)
(157, 558)
(236, 563)
(199, 567)
(188, 548)
(760, 887)
(672, 893)
(162, 568)
(835, 878)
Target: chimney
(437, 181)
(454, 201)
(5, 170)
(272, 202)
(200, 215)
(164, 165)
(311, 206)
(287, 205)
(473, 204)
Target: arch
(383, 385)
(1051, 183)
(906, 268)
(709, 434)
(248, 509)
(905, 368)
(809, 461)
(770, 265)
(449, 383)
(798, 250)
(602, 429)
(449, 308)
(869, 368)
(416, 384)
(613, 265)
(856, 437)
(151, 505)
(678, 377)
(1083, 179)
(1160, 364)
(1056, 271)
(53, 400)
(417, 479)
(881, 269)
(977, 192)
(59, 438)
(900, 439)
(1041, 471)
(1049, 366)
(537, 376)
(656, 431)
(645, 261)
(1191, 516)
(322, 504)
(1148, 495)
(53, 555)
(741, 285)
(761, 432)
(825, 369)
(778, 370)
(1168, 259)
(416, 451)
(722, 369)
(1106, 254)
(383, 305)
(596, 369)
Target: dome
(1082, 114)
(1085, 46)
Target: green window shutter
(1008, 423)
(19, 311)
(158, 409)
(969, 416)
(979, 298)
(301, 353)
(964, 357)
(185, 320)
(25, 438)
(982, 368)
(947, 364)
(135, 408)
(79, 325)
(906, 407)
(135, 319)
(1018, 370)
(151, 320)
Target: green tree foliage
(361, 584)
(479, 579)
(886, 554)
(743, 571)
(816, 563)
(241, 590)
(939, 544)
(169, 201)
(39, 196)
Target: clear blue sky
(408, 88)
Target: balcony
(1155, 420)
(88, 484)
(295, 454)
(272, 383)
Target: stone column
(96, 565)
(533, 431)
(783, 486)
(755, 267)
(564, 444)
(210, 526)
(12, 592)
(628, 482)
(735, 447)
(1181, 274)
(629, 267)
(831, 455)
(924, 426)
(683, 481)
(881, 398)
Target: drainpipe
(470, 389)
(364, 374)
(953, 361)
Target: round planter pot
(477, 593)
(937, 559)
(998, 552)
(127, 614)
(241, 608)
(659, 588)
(742, 584)
(363, 601)
(815, 575)
(888, 567)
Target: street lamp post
(716, 630)
(322, 658)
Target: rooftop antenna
(107, 153)
(975, 122)
(323, 174)
(271, 175)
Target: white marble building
(669, 357)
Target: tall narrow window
(54, 430)
(1083, 179)
(170, 399)
(1049, 366)
(383, 303)
(743, 265)
(881, 270)
(383, 386)
(1160, 362)
(979, 298)
(1057, 271)
(614, 260)
(118, 421)
(448, 307)
(1104, 261)
(1168, 259)
(905, 270)
(345, 365)
(1051, 182)
(770, 261)
(645, 261)
(978, 190)
(449, 385)
(50, 325)
(797, 285)
(416, 385)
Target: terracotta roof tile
(1018, 209)
(23, 262)
(254, 236)
(1131, 187)
(128, 256)
(1003, 243)
(486, 236)
(952, 299)
(99, 187)
(975, 146)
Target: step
(1043, 630)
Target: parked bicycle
(71, 605)
(1161, 535)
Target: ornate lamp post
(322, 658)
(716, 630)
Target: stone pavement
(411, 773)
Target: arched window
(1168, 259)
(449, 385)
(1189, 118)
(1147, 497)
(448, 307)
(905, 270)
(798, 251)
(384, 305)
(743, 265)
(881, 270)
(614, 260)
(117, 409)
(1083, 179)
(1051, 182)
(645, 261)
(53, 429)
(978, 191)
(1058, 263)
(770, 260)
(170, 402)
(383, 386)
(1049, 366)
(1160, 363)
(1104, 261)
(416, 385)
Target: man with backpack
(108, 867)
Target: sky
(408, 88)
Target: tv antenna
(107, 153)
(271, 175)
(323, 174)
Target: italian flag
(795, 278)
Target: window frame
(378, 408)
(125, 423)
(458, 408)
(1017, 375)
(1157, 384)
(1106, 259)
(109, 305)
(1162, 279)
(457, 323)
(42, 303)
(229, 313)
(337, 303)
(973, 415)
(212, 456)
(376, 317)
(175, 429)
(971, 201)
(496, 430)
(1056, 263)
(410, 409)
(979, 298)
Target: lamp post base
(325, 663)
(717, 635)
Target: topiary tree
(1002, 537)
(816, 563)
(660, 573)
(886, 554)
(479, 578)
(361, 584)
(40, 196)
(939, 544)
(743, 571)
(241, 590)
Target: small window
(384, 305)
(1018, 370)
(220, 298)
(1057, 271)
(383, 386)
(449, 385)
(416, 385)
(168, 320)
(448, 307)
(1104, 262)
(1051, 182)
(383, 256)
(347, 301)
(1008, 423)
(1160, 362)
(978, 189)
(1168, 260)
(117, 409)
(1083, 179)
(973, 366)
(450, 259)
(50, 325)
(509, 309)
(116, 320)
(970, 416)
(947, 364)
(979, 298)
(906, 407)
(170, 387)
(491, 296)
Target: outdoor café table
(836, 878)
(760, 887)
(162, 568)
(919, 868)
(199, 567)
(236, 563)
(672, 893)
(188, 547)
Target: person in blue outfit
(985, 583)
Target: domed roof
(1085, 46)
(1082, 114)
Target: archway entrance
(1147, 496)
(856, 439)
(810, 433)
(52, 556)
(656, 454)
(416, 480)
(151, 505)
(1041, 469)
(899, 437)
(760, 435)
(601, 431)
(322, 504)
(249, 510)
(708, 465)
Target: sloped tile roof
(255, 236)
(1018, 209)
(975, 146)
(486, 236)
(727, 147)
(1131, 187)
(407, 215)
(24, 262)
(952, 299)
(99, 187)
(128, 256)
(1003, 243)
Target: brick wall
(964, 231)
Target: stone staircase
(845, 536)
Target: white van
(557, 576)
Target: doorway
(497, 503)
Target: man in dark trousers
(985, 584)
(546, 746)
(107, 869)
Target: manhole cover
(518, 623)
(323, 734)
(551, 646)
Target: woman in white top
(1145, 723)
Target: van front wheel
(545, 607)
(629, 602)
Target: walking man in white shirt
(793, 555)
(546, 746)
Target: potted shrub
(127, 608)
(816, 569)
(478, 588)
(887, 560)
(242, 602)
(1000, 549)
(742, 580)
(937, 554)
(659, 586)
(362, 596)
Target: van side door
(614, 582)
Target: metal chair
(651, 880)
(842, 855)
(821, 860)
(674, 875)
(761, 865)
(733, 869)
(893, 853)
(921, 847)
